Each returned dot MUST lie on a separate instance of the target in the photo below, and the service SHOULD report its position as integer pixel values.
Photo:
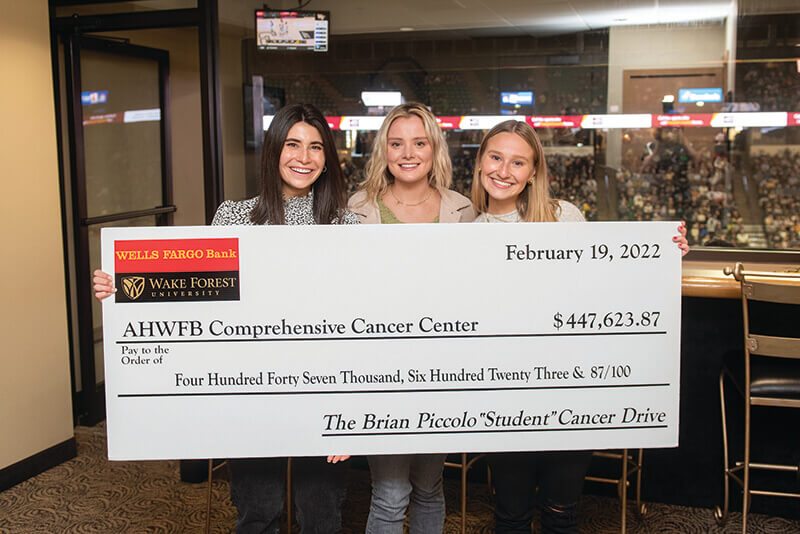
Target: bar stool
(211, 469)
(465, 465)
(771, 377)
(631, 466)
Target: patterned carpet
(89, 494)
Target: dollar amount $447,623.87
(595, 321)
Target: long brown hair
(330, 196)
(533, 203)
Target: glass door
(119, 174)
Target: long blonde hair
(377, 178)
(533, 203)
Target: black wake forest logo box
(176, 270)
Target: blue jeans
(559, 476)
(258, 486)
(403, 482)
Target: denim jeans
(406, 481)
(559, 476)
(258, 486)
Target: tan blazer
(454, 207)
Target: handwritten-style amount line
(362, 391)
(383, 338)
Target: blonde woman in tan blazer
(409, 174)
(408, 180)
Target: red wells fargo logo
(174, 270)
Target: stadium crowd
(774, 86)
(778, 178)
(572, 179)
(705, 202)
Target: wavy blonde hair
(377, 178)
(533, 203)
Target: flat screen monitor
(292, 30)
(516, 98)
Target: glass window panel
(735, 183)
(122, 133)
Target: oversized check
(315, 340)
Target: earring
(530, 181)
(324, 169)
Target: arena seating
(710, 211)
(775, 86)
(778, 179)
(557, 91)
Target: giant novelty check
(298, 340)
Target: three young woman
(407, 181)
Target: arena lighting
(136, 115)
(668, 98)
(655, 13)
(757, 119)
(639, 120)
(388, 99)
(778, 119)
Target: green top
(388, 217)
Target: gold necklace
(411, 204)
(503, 218)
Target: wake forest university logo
(176, 270)
(133, 286)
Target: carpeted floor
(89, 494)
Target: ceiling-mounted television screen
(292, 30)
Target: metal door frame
(204, 17)
(91, 399)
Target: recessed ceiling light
(406, 29)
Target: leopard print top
(298, 210)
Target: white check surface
(500, 374)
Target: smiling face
(506, 166)
(409, 153)
(302, 159)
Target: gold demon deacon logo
(133, 286)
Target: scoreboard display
(292, 30)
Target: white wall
(35, 403)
